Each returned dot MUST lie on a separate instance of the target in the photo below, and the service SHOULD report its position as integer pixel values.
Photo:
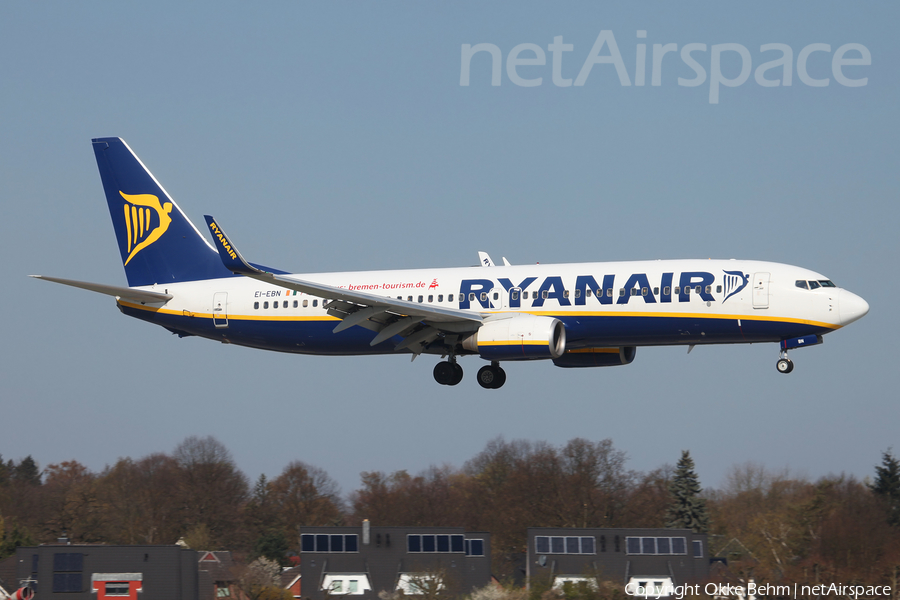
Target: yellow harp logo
(139, 211)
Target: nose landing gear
(784, 364)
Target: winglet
(484, 259)
(231, 258)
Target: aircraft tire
(784, 365)
(444, 373)
(457, 374)
(491, 377)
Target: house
(95, 572)
(651, 562)
(366, 560)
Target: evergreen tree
(27, 472)
(887, 485)
(687, 510)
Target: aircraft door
(498, 298)
(220, 310)
(515, 298)
(760, 290)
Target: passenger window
(656, 291)
(643, 291)
(524, 295)
(295, 304)
(545, 294)
(409, 298)
(609, 292)
(587, 293)
(305, 303)
(440, 297)
(496, 296)
(275, 304)
(420, 299)
(697, 289)
(621, 291)
(471, 296)
(484, 296)
(450, 298)
(565, 293)
(265, 305)
(514, 295)
(284, 305)
(315, 303)
(430, 298)
(256, 305)
(667, 290)
(677, 290)
(708, 289)
(578, 293)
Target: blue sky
(336, 136)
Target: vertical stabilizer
(157, 241)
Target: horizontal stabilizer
(126, 293)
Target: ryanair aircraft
(577, 315)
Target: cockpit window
(801, 283)
(826, 283)
(814, 285)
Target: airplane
(576, 315)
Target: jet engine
(519, 337)
(596, 357)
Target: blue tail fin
(157, 241)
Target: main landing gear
(490, 377)
(448, 372)
(784, 364)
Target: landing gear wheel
(491, 377)
(457, 374)
(443, 372)
(784, 365)
(448, 373)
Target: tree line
(772, 526)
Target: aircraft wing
(388, 316)
(142, 296)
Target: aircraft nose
(851, 307)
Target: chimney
(365, 532)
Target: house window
(67, 576)
(475, 547)
(223, 592)
(655, 545)
(117, 588)
(434, 543)
(698, 548)
(310, 542)
(564, 545)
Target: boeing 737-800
(576, 315)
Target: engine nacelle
(519, 337)
(596, 357)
